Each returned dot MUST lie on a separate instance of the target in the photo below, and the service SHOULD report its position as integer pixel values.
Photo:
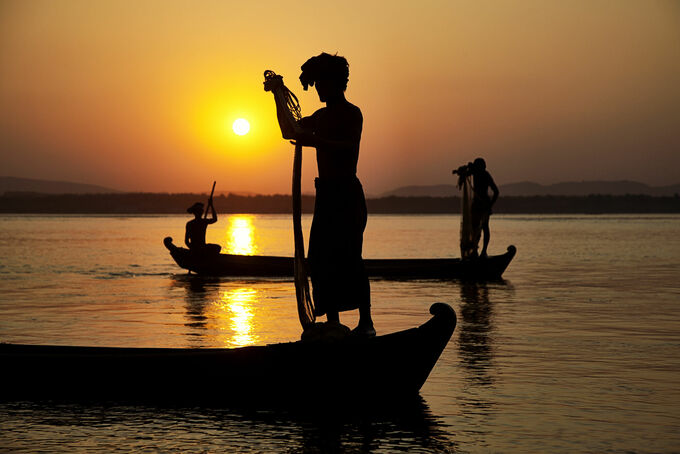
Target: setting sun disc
(241, 126)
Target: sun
(241, 126)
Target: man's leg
(333, 316)
(476, 221)
(487, 234)
(365, 320)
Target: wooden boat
(388, 366)
(489, 268)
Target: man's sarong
(339, 279)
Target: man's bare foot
(364, 330)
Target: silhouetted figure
(339, 279)
(481, 202)
(194, 237)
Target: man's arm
(282, 97)
(187, 237)
(213, 214)
(286, 123)
(305, 134)
(311, 140)
(494, 189)
(353, 123)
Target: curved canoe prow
(444, 312)
(167, 241)
(180, 255)
(504, 260)
(487, 268)
(385, 367)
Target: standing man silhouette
(481, 202)
(339, 279)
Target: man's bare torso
(339, 128)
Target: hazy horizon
(507, 189)
(285, 190)
(141, 96)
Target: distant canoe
(388, 366)
(489, 268)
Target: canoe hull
(386, 366)
(269, 266)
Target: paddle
(210, 201)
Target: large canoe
(388, 366)
(489, 268)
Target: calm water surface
(578, 350)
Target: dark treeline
(144, 203)
(593, 204)
(154, 203)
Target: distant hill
(589, 187)
(522, 189)
(437, 190)
(14, 184)
(527, 188)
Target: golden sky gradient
(141, 95)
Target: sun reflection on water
(235, 309)
(241, 236)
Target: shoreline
(159, 203)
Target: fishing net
(288, 109)
(469, 233)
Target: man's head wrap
(195, 208)
(325, 67)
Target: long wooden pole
(304, 300)
(205, 215)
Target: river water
(577, 350)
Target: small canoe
(387, 366)
(489, 268)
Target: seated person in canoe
(196, 228)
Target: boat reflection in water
(476, 351)
(407, 427)
(198, 293)
(475, 333)
(240, 236)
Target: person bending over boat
(481, 202)
(339, 279)
(194, 237)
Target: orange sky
(141, 95)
